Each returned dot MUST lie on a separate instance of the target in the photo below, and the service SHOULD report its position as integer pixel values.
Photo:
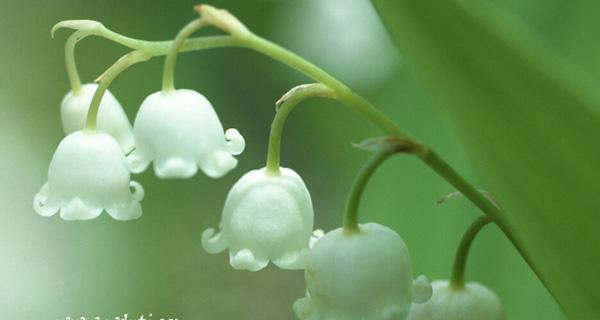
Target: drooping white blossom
(474, 301)
(111, 117)
(88, 174)
(360, 275)
(180, 131)
(267, 217)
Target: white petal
(213, 244)
(87, 174)
(136, 162)
(305, 310)
(235, 141)
(138, 191)
(292, 260)
(77, 210)
(473, 301)
(41, 203)
(245, 260)
(183, 125)
(218, 164)
(90, 166)
(175, 168)
(422, 289)
(125, 211)
(111, 117)
(265, 217)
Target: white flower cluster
(90, 170)
(362, 273)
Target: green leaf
(529, 121)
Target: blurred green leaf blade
(530, 122)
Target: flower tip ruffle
(175, 168)
(235, 141)
(213, 243)
(245, 260)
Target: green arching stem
(343, 93)
(272, 50)
(168, 82)
(350, 223)
(284, 106)
(105, 80)
(72, 73)
(457, 280)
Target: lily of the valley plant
(358, 271)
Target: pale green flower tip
(87, 175)
(181, 132)
(111, 116)
(342, 267)
(473, 301)
(422, 289)
(265, 218)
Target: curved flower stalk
(180, 131)
(267, 217)
(360, 275)
(457, 300)
(87, 175)
(111, 117)
(474, 301)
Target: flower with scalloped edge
(473, 301)
(111, 117)
(362, 274)
(88, 174)
(180, 131)
(267, 217)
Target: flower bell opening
(266, 218)
(181, 132)
(87, 175)
(111, 116)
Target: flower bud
(360, 275)
(471, 302)
(111, 117)
(267, 217)
(88, 174)
(180, 131)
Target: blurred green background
(51, 269)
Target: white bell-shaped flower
(88, 174)
(360, 275)
(474, 301)
(111, 117)
(267, 217)
(180, 131)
